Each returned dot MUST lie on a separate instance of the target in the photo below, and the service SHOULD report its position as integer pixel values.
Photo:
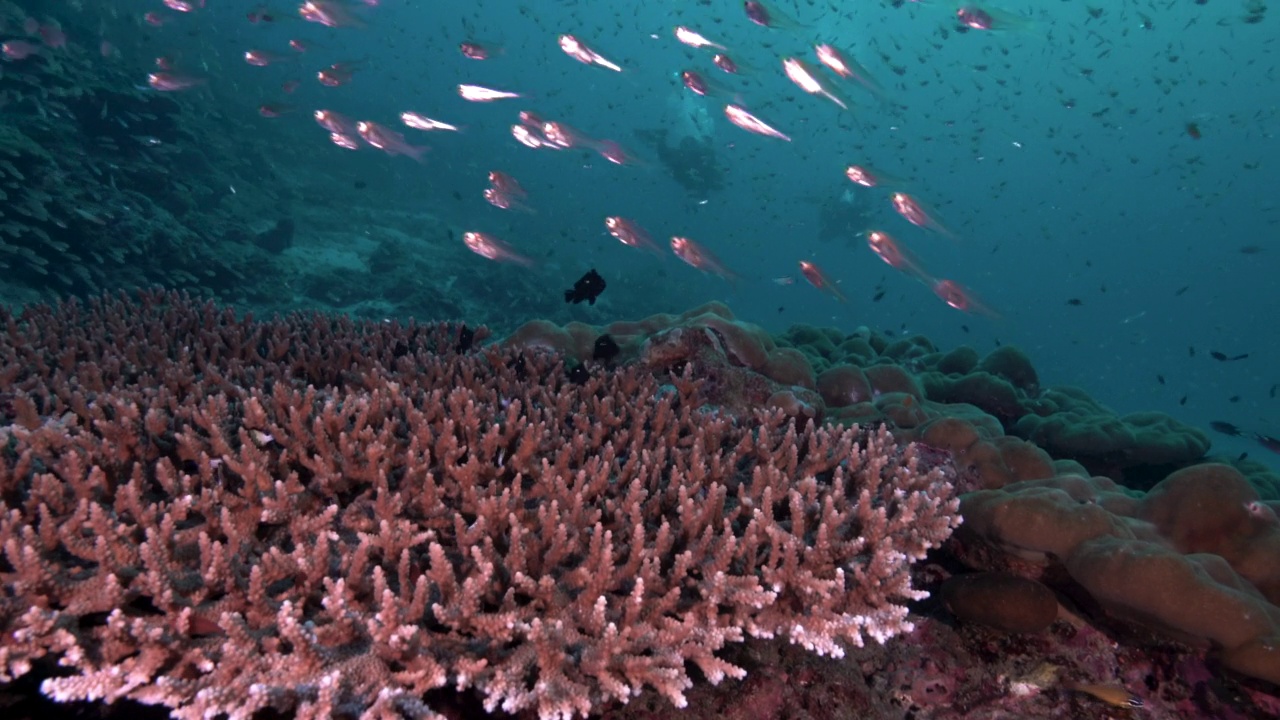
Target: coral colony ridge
(304, 417)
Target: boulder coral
(1186, 560)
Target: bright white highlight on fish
(695, 40)
(422, 122)
(525, 137)
(745, 120)
(580, 52)
(830, 57)
(800, 74)
(477, 93)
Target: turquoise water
(1109, 180)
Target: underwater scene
(553, 359)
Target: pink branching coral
(222, 515)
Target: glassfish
(579, 51)
(328, 13)
(846, 67)
(422, 122)
(478, 93)
(899, 258)
(805, 78)
(335, 123)
(962, 299)
(507, 184)
(479, 51)
(630, 234)
(172, 82)
(700, 258)
(745, 120)
(818, 279)
(867, 177)
(694, 39)
(491, 248)
(917, 214)
(760, 14)
(506, 201)
(388, 141)
(699, 85)
(985, 17)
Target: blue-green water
(1109, 173)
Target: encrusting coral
(221, 515)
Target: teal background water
(1060, 156)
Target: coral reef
(225, 516)
(1042, 468)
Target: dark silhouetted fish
(465, 337)
(1225, 428)
(587, 288)
(605, 349)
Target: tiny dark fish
(360, 184)
(465, 336)
(522, 372)
(1160, 379)
(1251, 249)
(1191, 351)
(1272, 394)
(1233, 399)
(878, 296)
(1181, 290)
(1220, 357)
(1241, 356)
(1225, 428)
(587, 288)
(1075, 301)
(578, 374)
(1193, 130)
(964, 328)
(1182, 400)
(605, 349)
(1242, 457)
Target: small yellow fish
(1110, 693)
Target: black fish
(587, 288)
(1272, 394)
(1182, 400)
(578, 374)
(1075, 301)
(1160, 379)
(1181, 290)
(878, 296)
(1222, 357)
(465, 336)
(605, 349)
(1225, 428)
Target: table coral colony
(224, 516)
(324, 518)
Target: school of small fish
(831, 74)
(827, 71)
